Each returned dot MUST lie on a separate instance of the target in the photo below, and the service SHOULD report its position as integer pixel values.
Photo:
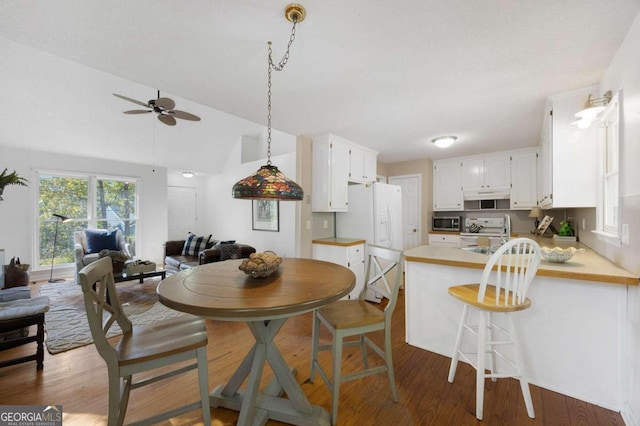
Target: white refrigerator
(374, 214)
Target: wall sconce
(444, 141)
(188, 175)
(592, 108)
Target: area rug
(66, 322)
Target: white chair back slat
(514, 264)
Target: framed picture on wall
(265, 215)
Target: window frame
(609, 141)
(91, 221)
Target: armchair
(88, 251)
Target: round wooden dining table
(222, 292)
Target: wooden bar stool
(512, 268)
(357, 318)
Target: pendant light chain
(278, 67)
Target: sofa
(214, 251)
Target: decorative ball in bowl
(260, 265)
(558, 254)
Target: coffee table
(139, 275)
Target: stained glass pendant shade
(269, 183)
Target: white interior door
(411, 208)
(182, 214)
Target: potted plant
(10, 179)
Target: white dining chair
(143, 348)
(346, 318)
(511, 269)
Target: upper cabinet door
(447, 185)
(473, 174)
(362, 165)
(524, 188)
(339, 193)
(486, 173)
(497, 172)
(330, 173)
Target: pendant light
(269, 183)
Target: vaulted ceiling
(388, 75)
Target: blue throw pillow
(101, 240)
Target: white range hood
(498, 194)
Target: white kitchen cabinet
(486, 173)
(444, 240)
(345, 252)
(568, 171)
(362, 164)
(447, 185)
(330, 174)
(524, 182)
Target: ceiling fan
(161, 106)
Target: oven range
(491, 228)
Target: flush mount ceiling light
(269, 182)
(592, 108)
(444, 141)
(188, 175)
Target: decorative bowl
(558, 254)
(260, 265)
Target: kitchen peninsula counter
(573, 335)
(587, 266)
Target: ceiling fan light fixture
(444, 141)
(188, 174)
(269, 183)
(163, 107)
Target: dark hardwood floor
(77, 380)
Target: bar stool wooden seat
(511, 269)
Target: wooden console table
(222, 292)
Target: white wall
(198, 182)
(227, 218)
(624, 74)
(18, 210)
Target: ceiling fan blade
(131, 100)
(165, 103)
(184, 115)
(137, 111)
(167, 119)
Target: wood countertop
(587, 266)
(343, 242)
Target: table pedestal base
(257, 407)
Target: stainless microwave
(446, 223)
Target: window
(608, 208)
(91, 202)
